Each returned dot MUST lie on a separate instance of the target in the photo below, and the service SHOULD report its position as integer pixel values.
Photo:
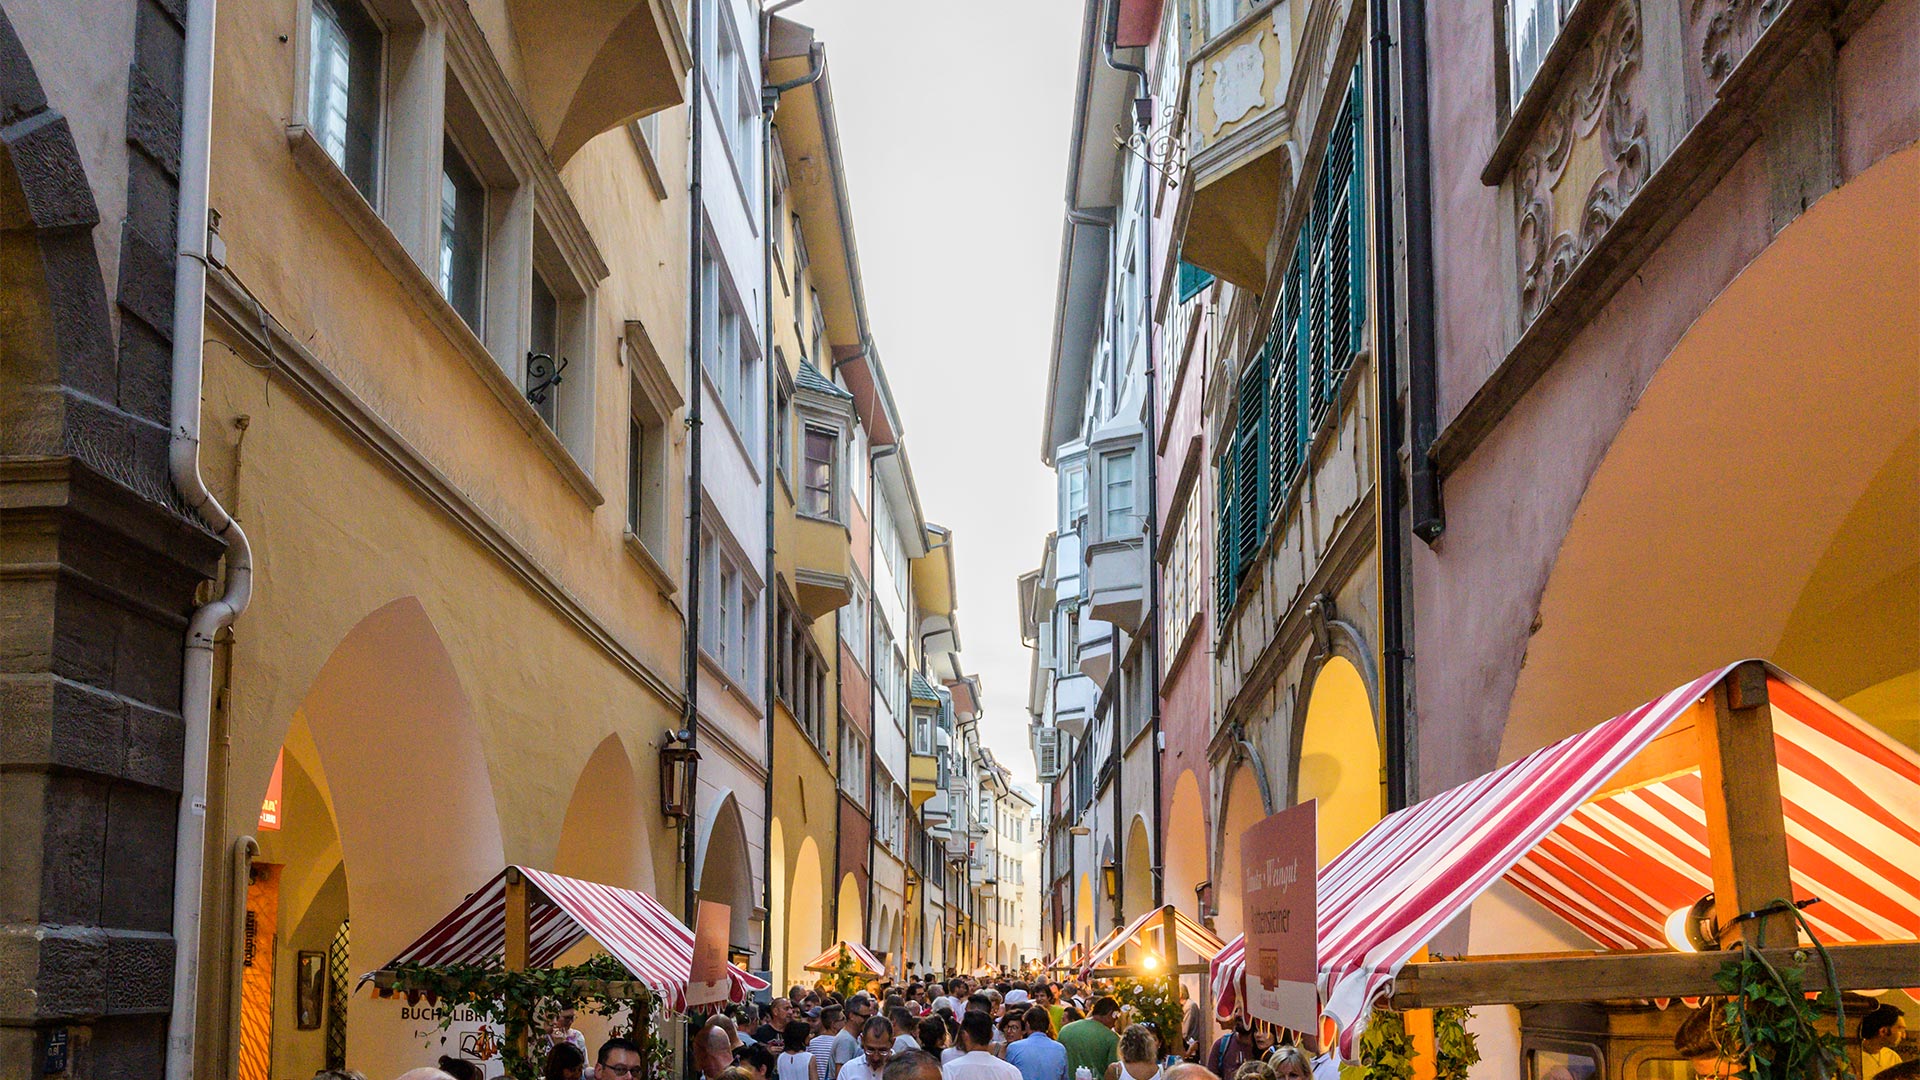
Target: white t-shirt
(904, 1043)
(795, 1066)
(949, 1054)
(978, 1065)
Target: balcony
(592, 67)
(1096, 649)
(1239, 142)
(823, 565)
(1074, 699)
(1117, 581)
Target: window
(729, 620)
(736, 97)
(1289, 386)
(1532, 26)
(1076, 498)
(782, 419)
(800, 673)
(463, 234)
(1181, 586)
(816, 477)
(1221, 14)
(343, 91)
(646, 473)
(1192, 281)
(818, 331)
(543, 353)
(922, 733)
(853, 623)
(884, 654)
(856, 461)
(1116, 496)
(728, 351)
(853, 763)
(799, 292)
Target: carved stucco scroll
(1586, 161)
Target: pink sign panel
(1279, 873)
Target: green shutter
(1226, 547)
(1192, 280)
(1357, 200)
(1250, 470)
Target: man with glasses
(846, 1044)
(619, 1059)
(876, 1049)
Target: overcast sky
(954, 118)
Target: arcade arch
(805, 910)
(1186, 860)
(726, 871)
(1338, 762)
(1241, 809)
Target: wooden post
(1746, 829)
(518, 917)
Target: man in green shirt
(1093, 1042)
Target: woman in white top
(795, 1062)
(1139, 1055)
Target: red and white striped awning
(864, 961)
(1617, 866)
(655, 947)
(1185, 931)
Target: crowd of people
(962, 1028)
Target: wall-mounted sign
(707, 983)
(270, 806)
(1279, 876)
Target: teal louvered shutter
(1284, 412)
(1226, 547)
(1357, 203)
(1192, 280)
(1250, 467)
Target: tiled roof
(811, 379)
(921, 689)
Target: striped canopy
(1185, 931)
(655, 947)
(864, 962)
(1616, 866)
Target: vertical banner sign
(707, 985)
(1279, 874)
(270, 806)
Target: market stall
(1742, 808)
(1150, 946)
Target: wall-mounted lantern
(678, 762)
(1110, 874)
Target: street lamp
(678, 759)
(1110, 875)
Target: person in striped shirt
(821, 1046)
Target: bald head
(1190, 1071)
(423, 1074)
(912, 1065)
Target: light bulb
(1149, 961)
(1677, 929)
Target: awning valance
(1186, 932)
(864, 961)
(1615, 853)
(653, 945)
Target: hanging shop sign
(1279, 877)
(708, 983)
(270, 806)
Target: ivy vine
(1387, 1051)
(1769, 1023)
(511, 1003)
(1455, 1049)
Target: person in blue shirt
(1038, 1056)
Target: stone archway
(1338, 757)
(725, 872)
(604, 836)
(1760, 499)
(850, 912)
(1083, 911)
(1137, 874)
(1242, 806)
(1186, 841)
(776, 958)
(805, 910)
(412, 842)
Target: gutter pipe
(696, 391)
(183, 461)
(1429, 512)
(1392, 486)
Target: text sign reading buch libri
(1279, 868)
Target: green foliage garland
(1769, 1023)
(1154, 1001)
(843, 979)
(1455, 1050)
(1386, 1050)
(511, 1002)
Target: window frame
(806, 506)
(369, 186)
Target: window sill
(320, 167)
(739, 694)
(1532, 107)
(637, 548)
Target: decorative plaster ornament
(1238, 81)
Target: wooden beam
(1675, 753)
(518, 918)
(1746, 826)
(1617, 976)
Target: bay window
(816, 477)
(1116, 496)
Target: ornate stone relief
(1586, 160)
(1239, 78)
(1724, 30)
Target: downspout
(1392, 490)
(183, 462)
(1143, 115)
(696, 392)
(1429, 513)
(769, 101)
(1143, 110)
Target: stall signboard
(709, 984)
(270, 806)
(1279, 876)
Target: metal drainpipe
(1119, 751)
(1428, 507)
(1143, 116)
(1392, 490)
(874, 454)
(769, 101)
(696, 228)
